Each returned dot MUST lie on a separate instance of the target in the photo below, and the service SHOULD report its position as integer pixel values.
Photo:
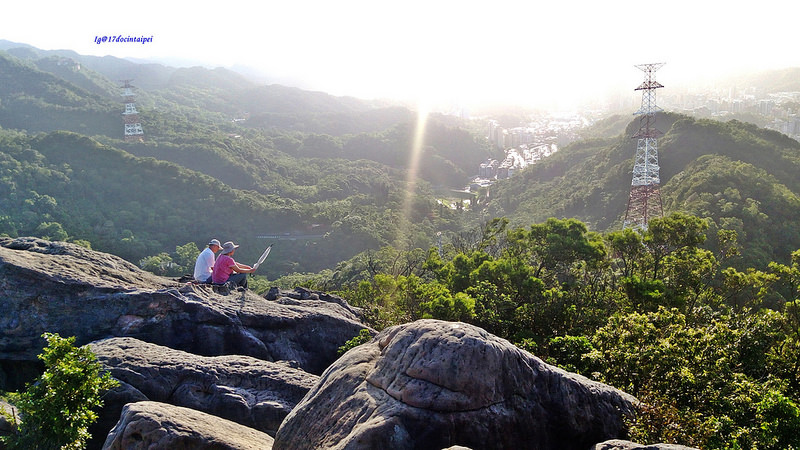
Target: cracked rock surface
(63, 288)
(432, 384)
(153, 425)
(246, 390)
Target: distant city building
(488, 169)
(775, 107)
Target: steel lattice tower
(644, 202)
(133, 129)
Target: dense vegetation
(741, 177)
(198, 175)
(58, 408)
(713, 352)
(67, 187)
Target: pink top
(222, 269)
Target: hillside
(34, 100)
(64, 185)
(61, 90)
(739, 176)
(196, 166)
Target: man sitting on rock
(225, 267)
(205, 262)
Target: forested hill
(198, 174)
(742, 177)
(200, 94)
(35, 100)
(65, 186)
(217, 122)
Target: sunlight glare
(418, 143)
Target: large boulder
(246, 390)
(432, 384)
(153, 425)
(64, 288)
(108, 415)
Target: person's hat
(214, 242)
(228, 247)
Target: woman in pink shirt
(227, 270)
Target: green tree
(185, 256)
(58, 408)
(556, 244)
(666, 235)
(159, 264)
(362, 337)
(52, 231)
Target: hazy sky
(528, 52)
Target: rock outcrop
(248, 391)
(64, 288)
(189, 358)
(114, 400)
(153, 425)
(432, 384)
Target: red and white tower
(133, 128)
(645, 199)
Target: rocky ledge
(64, 288)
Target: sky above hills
(534, 53)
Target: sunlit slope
(740, 176)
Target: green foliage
(58, 408)
(571, 353)
(134, 199)
(363, 337)
(159, 264)
(659, 419)
(52, 231)
(438, 303)
(778, 419)
(391, 300)
(186, 256)
(711, 352)
(736, 175)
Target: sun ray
(417, 145)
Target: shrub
(57, 409)
(363, 337)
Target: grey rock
(300, 294)
(64, 288)
(113, 401)
(8, 417)
(153, 425)
(246, 390)
(432, 384)
(617, 444)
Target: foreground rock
(248, 391)
(8, 419)
(152, 425)
(432, 384)
(65, 288)
(108, 416)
